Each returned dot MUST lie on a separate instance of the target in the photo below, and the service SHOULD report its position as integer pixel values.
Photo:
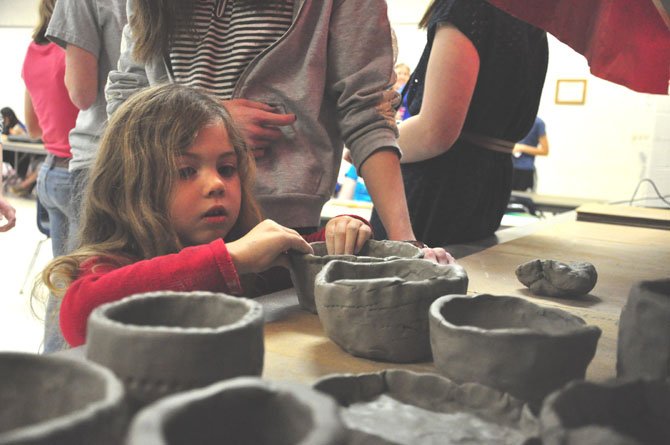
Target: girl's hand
(258, 122)
(346, 235)
(438, 255)
(264, 247)
(7, 213)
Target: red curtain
(624, 41)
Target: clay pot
(304, 267)
(615, 413)
(380, 310)
(53, 400)
(643, 349)
(403, 407)
(510, 344)
(165, 342)
(241, 411)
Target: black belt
(487, 142)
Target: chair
(44, 227)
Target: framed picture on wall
(570, 92)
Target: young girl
(169, 207)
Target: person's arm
(32, 122)
(542, 148)
(348, 188)
(450, 82)
(7, 212)
(81, 76)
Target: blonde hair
(125, 215)
(45, 11)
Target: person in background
(195, 226)
(476, 89)
(90, 33)
(534, 144)
(7, 212)
(319, 76)
(50, 115)
(353, 187)
(11, 124)
(402, 73)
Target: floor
(21, 326)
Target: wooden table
(21, 149)
(297, 350)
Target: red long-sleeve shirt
(204, 267)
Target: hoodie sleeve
(205, 267)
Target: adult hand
(258, 122)
(7, 212)
(265, 246)
(437, 255)
(346, 235)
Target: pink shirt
(44, 75)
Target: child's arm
(344, 234)
(205, 267)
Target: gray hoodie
(334, 70)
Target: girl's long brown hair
(155, 24)
(45, 11)
(125, 216)
(423, 23)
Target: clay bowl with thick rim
(305, 267)
(613, 413)
(380, 310)
(510, 344)
(241, 411)
(404, 407)
(160, 343)
(48, 400)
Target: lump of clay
(555, 279)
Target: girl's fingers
(351, 236)
(364, 234)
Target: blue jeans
(54, 192)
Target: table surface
(24, 147)
(298, 350)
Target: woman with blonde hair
(169, 206)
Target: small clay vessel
(164, 342)
(304, 267)
(380, 310)
(47, 400)
(613, 413)
(241, 411)
(403, 407)
(643, 348)
(510, 344)
(556, 279)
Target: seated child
(169, 207)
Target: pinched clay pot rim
(154, 417)
(253, 313)
(113, 397)
(454, 273)
(580, 328)
(310, 257)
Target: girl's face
(402, 75)
(205, 201)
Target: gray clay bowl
(510, 344)
(241, 411)
(403, 407)
(305, 267)
(165, 342)
(614, 413)
(54, 400)
(643, 346)
(380, 310)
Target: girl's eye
(186, 172)
(227, 171)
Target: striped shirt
(230, 34)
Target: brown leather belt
(61, 162)
(490, 143)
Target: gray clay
(510, 344)
(380, 310)
(402, 407)
(305, 267)
(643, 349)
(165, 342)
(47, 400)
(241, 411)
(614, 413)
(555, 279)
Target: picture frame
(570, 92)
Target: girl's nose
(215, 185)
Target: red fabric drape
(624, 41)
